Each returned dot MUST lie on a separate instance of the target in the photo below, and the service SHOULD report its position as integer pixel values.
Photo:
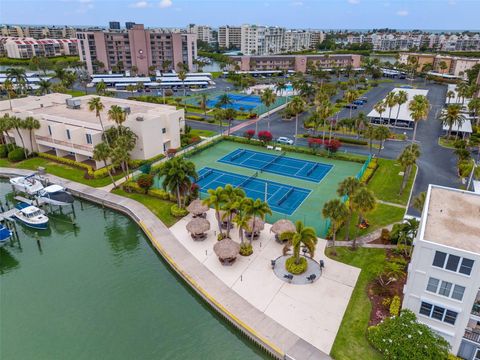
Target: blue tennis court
(281, 198)
(278, 164)
(239, 101)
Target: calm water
(101, 292)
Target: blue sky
(322, 14)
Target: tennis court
(281, 198)
(278, 164)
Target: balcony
(472, 335)
(50, 140)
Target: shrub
(211, 121)
(145, 181)
(352, 141)
(131, 187)
(332, 145)
(171, 152)
(385, 236)
(178, 212)
(158, 193)
(403, 337)
(66, 161)
(249, 134)
(265, 136)
(3, 151)
(194, 117)
(395, 306)
(314, 143)
(386, 302)
(102, 172)
(246, 249)
(221, 236)
(16, 155)
(294, 268)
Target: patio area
(312, 311)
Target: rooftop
(453, 218)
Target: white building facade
(443, 281)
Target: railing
(476, 309)
(64, 143)
(472, 336)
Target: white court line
(218, 177)
(301, 168)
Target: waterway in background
(101, 292)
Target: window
(49, 130)
(445, 288)
(439, 259)
(466, 266)
(433, 285)
(477, 355)
(89, 138)
(438, 313)
(164, 130)
(457, 293)
(68, 134)
(452, 263)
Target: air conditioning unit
(126, 109)
(139, 118)
(73, 103)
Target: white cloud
(402, 12)
(297, 3)
(85, 6)
(165, 3)
(140, 5)
(452, 2)
(354, 2)
(85, 1)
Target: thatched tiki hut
(227, 251)
(282, 226)
(197, 208)
(197, 228)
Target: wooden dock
(8, 215)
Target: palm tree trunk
(178, 197)
(110, 174)
(240, 235)
(398, 113)
(334, 252)
(347, 227)
(253, 228)
(21, 139)
(296, 129)
(219, 221)
(404, 180)
(414, 131)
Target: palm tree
(337, 212)
(281, 86)
(474, 107)
(182, 76)
(234, 197)
(9, 89)
(95, 104)
(381, 133)
(256, 209)
(59, 73)
(418, 107)
(31, 124)
(18, 76)
(216, 198)
(117, 115)
(450, 95)
(241, 220)
(390, 102)
(443, 66)
(296, 106)
(303, 235)
(407, 159)
(362, 201)
(462, 90)
(178, 174)
(380, 108)
(203, 103)
(5, 126)
(350, 96)
(325, 111)
(131, 88)
(166, 65)
(223, 101)
(100, 87)
(315, 121)
(268, 98)
(451, 117)
(347, 188)
(18, 124)
(44, 86)
(229, 115)
(400, 98)
(370, 134)
(102, 152)
(419, 201)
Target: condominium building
(139, 47)
(26, 48)
(295, 62)
(456, 65)
(114, 25)
(69, 129)
(443, 284)
(38, 32)
(230, 37)
(262, 40)
(203, 32)
(297, 40)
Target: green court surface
(310, 211)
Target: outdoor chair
(311, 278)
(289, 277)
(322, 264)
(272, 262)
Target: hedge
(96, 174)
(16, 155)
(352, 141)
(395, 306)
(3, 151)
(195, 117)
(178, 212)
(369, 171)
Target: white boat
(31, 216)
(26, 184)
(5, 235)
(55, 195)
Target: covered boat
(5, 235)
(31, 216)
(55, 195)
(26, 184)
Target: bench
(278, 149)
(269, 147)
(289, 277)
(311, 278)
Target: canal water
(100, 291)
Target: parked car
(364, 99)
(358, 102)
(284, 140)
(351, 106)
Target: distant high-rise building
(38, 32)
(139, 47)
(27, 47)
(229, 37)
(114, 25)
(129, 25)
(203, 32)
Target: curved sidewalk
(269, 334)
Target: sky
(317, 14)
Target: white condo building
(69, 129)
(262, 40)
(443, 284)
(230, 36)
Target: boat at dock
(5, 235)
(55, 195)
(26, 184)
(31, 216)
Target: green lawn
(447, 143)
(204, 133)
(386, 182)
(351, 343)
(380, 217)
(75, 93)
(160, 208)
(57, 169)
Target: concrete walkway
(365, 240)
(257, 325)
